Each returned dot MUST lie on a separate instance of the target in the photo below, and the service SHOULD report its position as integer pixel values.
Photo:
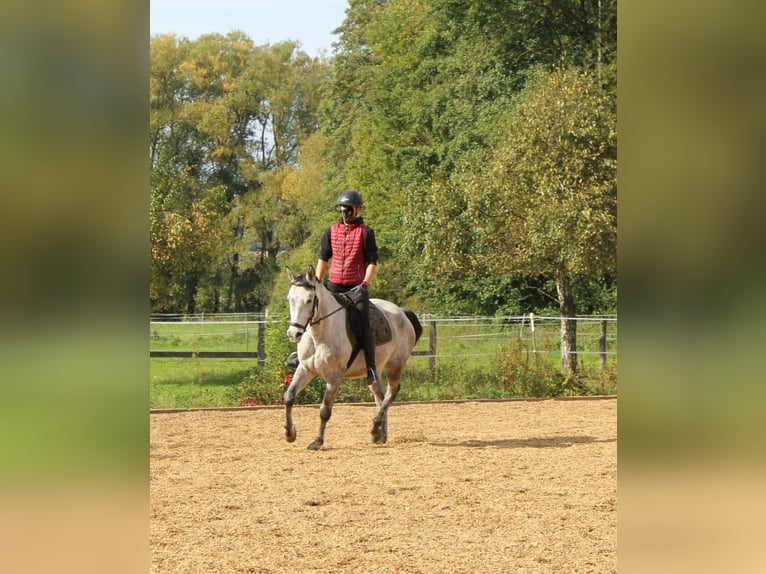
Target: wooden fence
(461, 337)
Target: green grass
(194, 383)
(207, 337)
(477, 359)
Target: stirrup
(371, 376)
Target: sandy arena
(465, 487)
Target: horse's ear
(290, 274)
(311, 274)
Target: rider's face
(348, 212)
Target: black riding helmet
(350, 197)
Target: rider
(349, 247)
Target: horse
(318, 325)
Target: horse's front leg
(380, 422)
(325, 411)
(300, 380)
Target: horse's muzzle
(294, 334)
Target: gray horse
(318, 325)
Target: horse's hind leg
(377, 390)
(325, 412)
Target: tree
(430, 109)
(227, 119)
(418, 89)
(169, 133)
(550, 190)
(186, 238)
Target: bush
(515, 373)
(266, 384)
(522, 373)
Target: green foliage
(523, 373)
(185, 237)
(426, 90)
(553, 174)
(607, 384)
(227, 119)
(481, 135)
(265, 384)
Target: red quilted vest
(348, 263)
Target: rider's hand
(361, 288)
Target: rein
(314, 307)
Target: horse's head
(302, 298)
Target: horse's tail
(415, 323)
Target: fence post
(432, 346)
(602, 346)
(534, 336)
(262, 342)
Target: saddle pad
(381, 328)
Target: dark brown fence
(458, 337)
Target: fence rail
(241, 336)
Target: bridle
(314, 306)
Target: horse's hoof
(290, 435)
(378, 437)
(315, 445)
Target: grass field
(193, 383)
(475, 358)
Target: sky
(309, 22)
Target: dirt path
(490, 487)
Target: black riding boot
(369, 356)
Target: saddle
(379, 325)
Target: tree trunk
(568, 324)
(233, 298)
(598, 43)
(191, 291)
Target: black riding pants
(362, 304)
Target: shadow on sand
(546, 442)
